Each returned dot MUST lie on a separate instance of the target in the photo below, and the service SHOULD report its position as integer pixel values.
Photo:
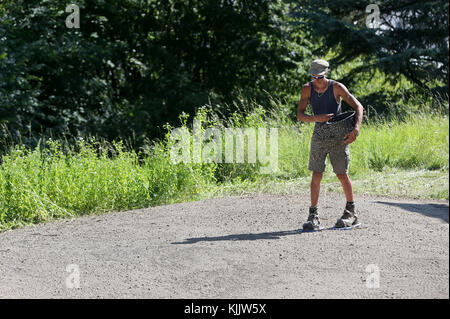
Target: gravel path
(234, 247)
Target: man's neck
(321, 83)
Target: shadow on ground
(430, 210)
(234, 237)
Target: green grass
(42, 184)
(417, 143)
(417, 184)
(407, 157)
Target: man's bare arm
(357, 106)
(353, 102)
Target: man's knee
(342, 177)
(316, 177)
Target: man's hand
(351, 137)
(323, 117)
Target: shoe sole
(347, 227)
(310, 230)
(330, 228)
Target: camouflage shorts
(339, 155)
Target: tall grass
(42, 184)
(56, 179)
(419, 142)
(413, 141)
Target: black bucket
(337, 127)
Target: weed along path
(234, 247)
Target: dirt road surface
(234, 247)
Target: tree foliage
(135, 65)
(411, 40)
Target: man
(325, 97)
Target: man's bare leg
(347, 186)
(349, 217)
(313, 222)
(315, 188)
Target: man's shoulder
(338, 84)
(306, 85)
(306, 90)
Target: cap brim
(312, 72)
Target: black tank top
(324, 103)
